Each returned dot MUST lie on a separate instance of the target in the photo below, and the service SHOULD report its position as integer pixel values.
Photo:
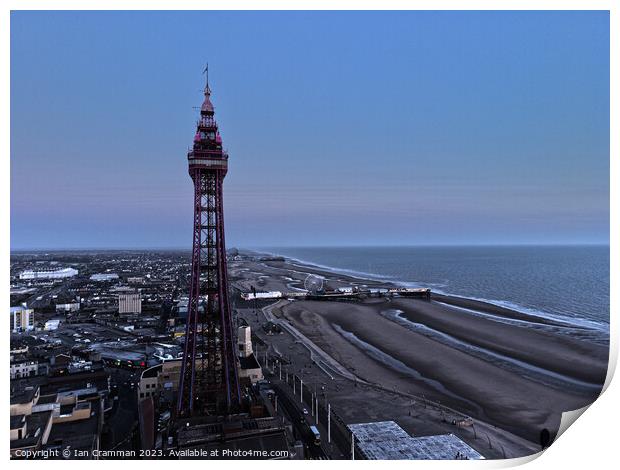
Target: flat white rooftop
(386, 440)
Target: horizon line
(254, 247)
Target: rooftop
(23, 391)
(236, 432)
(18, 308)
(17, 421)
(249, 362)
(81, 434)
(386, 440)
(35, 423)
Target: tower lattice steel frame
(209, 382)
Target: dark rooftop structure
(24, 390)
(32, 431)
(81, 435)
(234, 433)
(17, 421)
(249, 362)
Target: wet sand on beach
(466, 383)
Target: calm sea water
(566, 282)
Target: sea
(566, 283)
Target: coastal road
(294, 411)
(318, 356)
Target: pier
(341, 294)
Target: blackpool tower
(209, 382)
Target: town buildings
(130, 302)
(22, 319)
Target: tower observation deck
(209, 382)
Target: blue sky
(343, 128)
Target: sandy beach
(496, 364)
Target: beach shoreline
(494, 307)
(485, 360)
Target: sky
(343, 128)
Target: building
(29, 433)
(25, 363)
(249, 368)
(22, 319)
(17, 349)
(244, 340)
(104, 277)
(163, 377)
(386, 440)
(62, 411)
(130, 302)
(68, 307)
(51, 325)
(182, 306)
(23, 398)
(262, 295)
(23, 367)
(49, 274)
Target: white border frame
(592, 441)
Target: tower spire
(206, 73)
(207, 106)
